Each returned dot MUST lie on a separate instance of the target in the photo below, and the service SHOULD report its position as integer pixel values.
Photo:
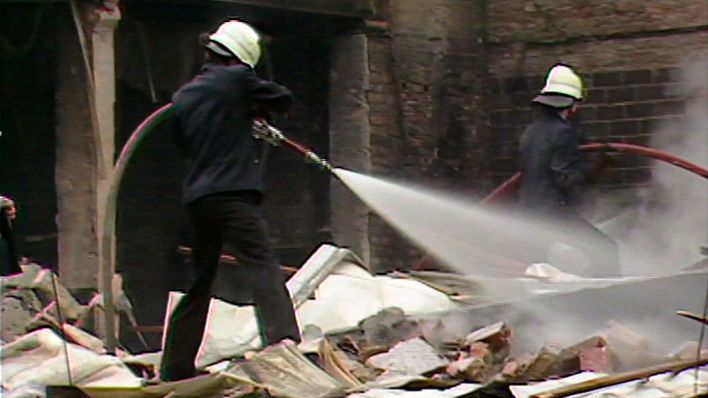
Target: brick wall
(525, 37)
(627, 50)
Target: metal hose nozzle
(264, 131)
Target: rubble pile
(388, 343)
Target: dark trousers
(227, 218)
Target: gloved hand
(9, 206)
(264, 131)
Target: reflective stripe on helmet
(564, 81)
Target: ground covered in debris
(364, 336)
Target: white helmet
(236, 39)
(563, 87)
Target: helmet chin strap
(569, 113)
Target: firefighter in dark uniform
(223, 188)
(553, 168)
(8, 256)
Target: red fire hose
(510, 186)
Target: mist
(663, 233)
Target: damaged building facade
(434, 92)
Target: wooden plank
(348, 8)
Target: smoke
(665, 231)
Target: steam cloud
(665, 231)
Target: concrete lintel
(347, 8)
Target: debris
(412, 357)
(231, 331)
(320, 264)
(40, 358)
(19, 308)
(593, 355)
(312, 337)
(497, 336)
(388, 327)
(486, 332)
(283, 371)
(461, 390)
(596, 383)
(630, 349)
(84, 339)
(35, 277)
(336, 363)
(528, 391)
(475, 366)
(348, 295)
(543, 365)
(368, 333)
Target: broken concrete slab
(19, 307)
(412, 357)
(34, 276)
(388, 327)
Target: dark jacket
(214, 117)
(552, 166)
